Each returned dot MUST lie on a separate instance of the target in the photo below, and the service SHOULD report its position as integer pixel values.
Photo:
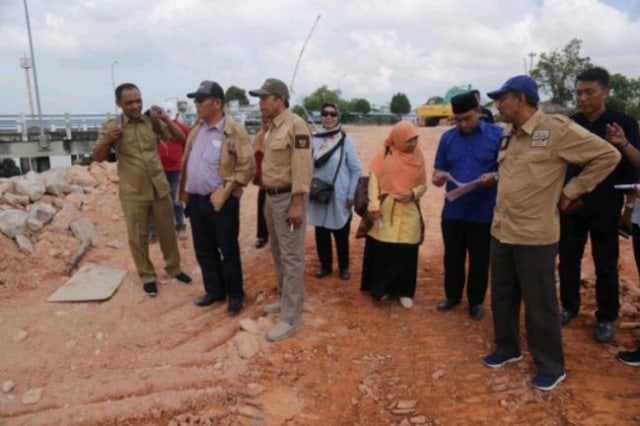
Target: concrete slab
(91, 283)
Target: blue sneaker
(496, 360)
(547, 382)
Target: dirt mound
(134, 360)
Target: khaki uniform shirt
(237, 163)
(140, 171)
(287, 154)
(532, 167)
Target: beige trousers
(287, 248)
(137, 215)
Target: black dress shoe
(476, 312)
(323, 273)
(207, 299)
(345, 274)
(183, 278)
(151, 289)
(447, 305)
(235, 306)
(261, 242)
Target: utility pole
(25, 63)
(531, 56)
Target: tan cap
(272, 86)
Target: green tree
(400, 104)
(556, 71)
(297, 109)
(360, 105)
(314, 101)
(235, 93)
(625, 94)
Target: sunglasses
(329, 114)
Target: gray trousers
(520, 272)
(287, 248)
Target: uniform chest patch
(301, 142)
(539, 139)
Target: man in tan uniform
(533, 160)
(144, 190)
(218, 163)
(286, 173)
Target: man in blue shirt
(467, 152)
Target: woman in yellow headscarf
(397, 180)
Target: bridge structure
(64, 135)
(67, 134)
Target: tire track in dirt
(162, 359)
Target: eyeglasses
(329, 114)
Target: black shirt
(605, 200)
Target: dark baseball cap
(207, 89)
(272, 86)
(519, 83)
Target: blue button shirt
(466, 157)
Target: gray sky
(367, 48)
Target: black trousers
(603, 232)
(462, 237)
(323, 246)
(636, 246)
(526, 273)
(262, 231)
(389, 268)
(215, 241)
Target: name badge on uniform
(504, 142)
(301, 142)
(539, 139)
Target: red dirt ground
(133, 360)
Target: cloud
(371, 49)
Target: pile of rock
(52, 199)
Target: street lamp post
(44, 143)
(42, 162)
(113, 86)
(113, 79)
(25, 63)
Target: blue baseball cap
(519, 83)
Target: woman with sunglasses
(335, 161)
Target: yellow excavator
(437, 109)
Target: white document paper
(462, 188)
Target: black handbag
(321, 191)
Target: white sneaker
(406, 302)
(282, 330)
(272, 308)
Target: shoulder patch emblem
(539, 139)
(302, 142)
